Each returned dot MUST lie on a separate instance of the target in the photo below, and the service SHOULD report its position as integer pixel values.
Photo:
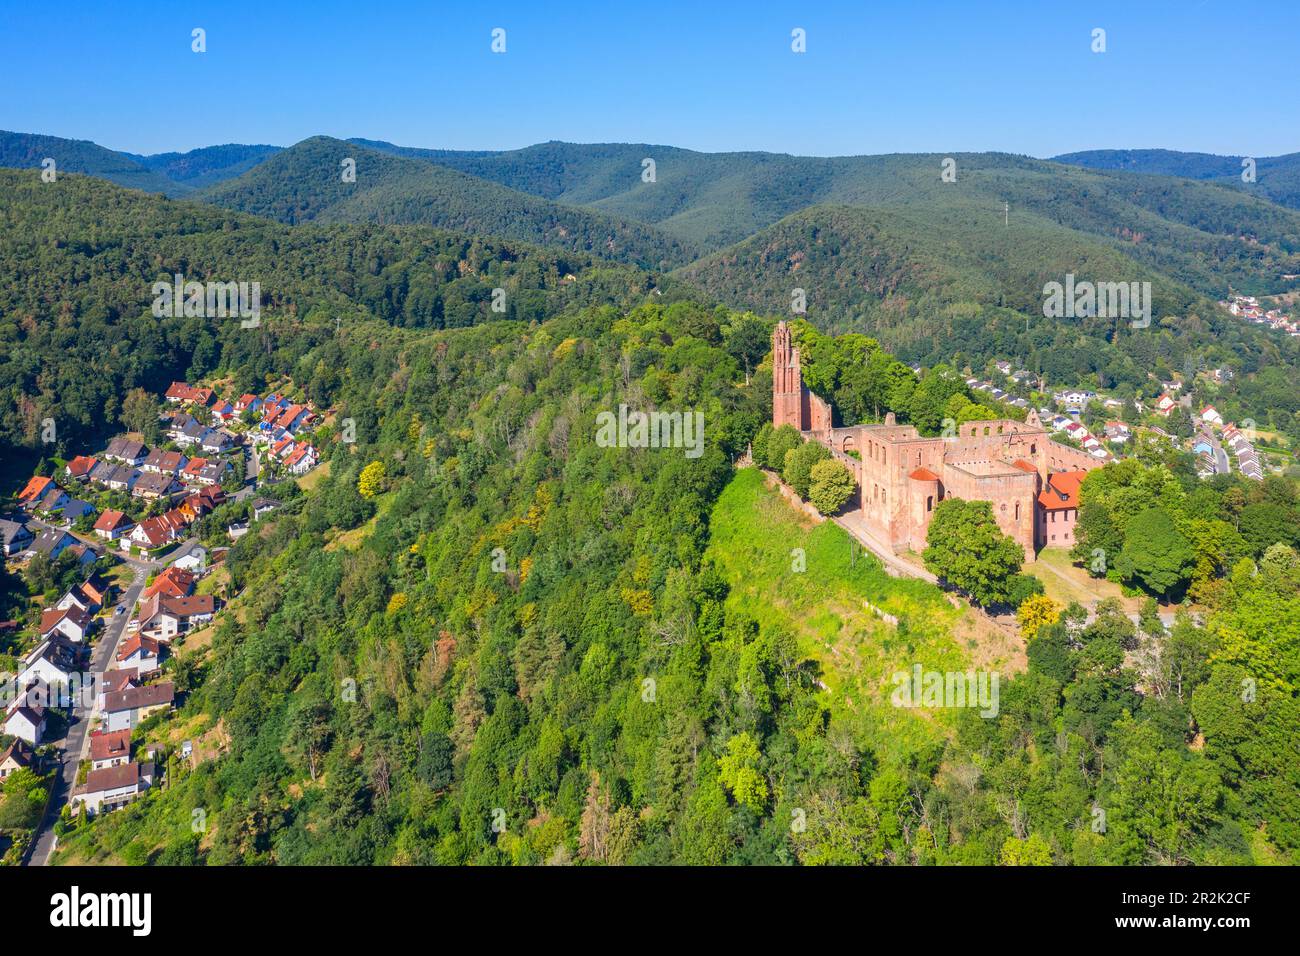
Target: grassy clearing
(753, 534)
(1065, 583)
(314, 477)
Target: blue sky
(878, 77)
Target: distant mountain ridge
(1277, 178)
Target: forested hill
(965, 290)
(1192, 231)
(306, 183)
(80, 256)
(1277, 178)
(29, 150)
(206, 165)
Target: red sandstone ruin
(1031, 481)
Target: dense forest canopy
(483, 636)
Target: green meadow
(755, 535)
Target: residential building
(113, 525)
(15, 537)
(125, 709)
(112, 787)
(110, 749)
(127, 451)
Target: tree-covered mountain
(513, 642)
(29, 150)
(306, 182)
(208, 164)
(1191, 231)
(1277, 178)
(964, 288)
(80, 257)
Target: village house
(112, 525)
(110, 749)
(1117, 432)
(114, 682)
(195, 560)
(171, 582)
(52, 501)
(155, 532)
(263, 507)
(126, 709)
(17, 756)
(15, 537)
(51, 663)
(247, 403)
(26, 719)
(1209, 414)
(138, 653)
(161, 462)
(182, 393)
(122, 478)
(75, 508)
(80, 467)
(301, 461)
(72, 622)
(162, 617)
(52, 542)
(35, 490)
(88, 597)
(112, 787)
(902, 476)
(152, 486)
(214, 442)
(1165, 405)
(126, 451)
(84, 553)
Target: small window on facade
(929, 503)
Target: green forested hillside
(963, 288)
(522, 647)
(1277, 178)
(305, 183)
(207, 165)
(1203, 236)
(80, 257)
(27, 151)
(515, 644)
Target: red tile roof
(137, 642)
(112, 521)
(80, 466)
(108, 745)
(924, 474)
(174, 582)
(35, 488)
(1024, 465)
(1062, 491)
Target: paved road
(77, 742)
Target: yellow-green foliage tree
(1036, 612)
(738, 770)
(371, 482)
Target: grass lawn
(753, 534)
(1065, 583)
(314, 477)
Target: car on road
(119, 609)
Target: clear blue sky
(879, 75)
